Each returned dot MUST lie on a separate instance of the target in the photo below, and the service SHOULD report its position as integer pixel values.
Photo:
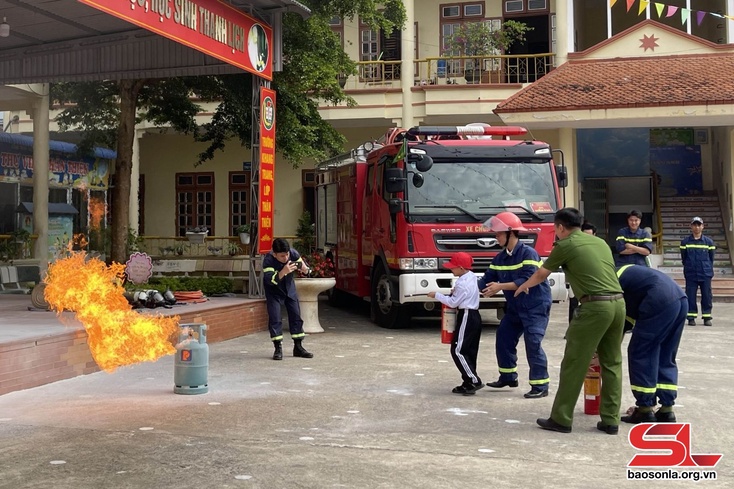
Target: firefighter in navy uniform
(280, 288)
(697, 252)
(633, 243)
(526, 315)
(657, 307)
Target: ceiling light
(4, 28)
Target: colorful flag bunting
(630, 3)
(659, 7)
(671, 11)
(643, 6)
(699, 17)
(684, 13)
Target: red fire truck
(392, 212)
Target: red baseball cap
(460, 260)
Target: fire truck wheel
(384, 311)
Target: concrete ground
(373, 409)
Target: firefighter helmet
(504, 221)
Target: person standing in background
(697, 253)
(633, 243)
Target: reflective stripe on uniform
(668, 387)
(517, 266)
(634, 240)
(298, 335)
(539, 381)
(644, 390)
(507, 370)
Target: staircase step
(678, 270)
(686, 210)
(675, 255)
(689, 198)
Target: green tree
(105, 113)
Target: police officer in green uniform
(597, 326)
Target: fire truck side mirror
(394, 180)
(422, 162)
(562, 176)
(418, 180)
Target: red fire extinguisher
(448, 323)
(592, 387)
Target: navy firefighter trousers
(651, 353)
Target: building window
(384, 50)
(194, 202)
(337, 27)
(453, 17)
(239, 200)
(525, 7)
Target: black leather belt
(596, 298)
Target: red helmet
(505, 221)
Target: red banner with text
(209, 26)
(267, 170)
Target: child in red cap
(465, 344)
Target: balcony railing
(457, 70)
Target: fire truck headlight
(425, 263)
(406, 264)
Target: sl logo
(671, 444)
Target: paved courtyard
(373, 409)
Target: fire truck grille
(476, 245)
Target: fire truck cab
(392, 212)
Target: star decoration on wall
(649, 42)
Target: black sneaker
(707, 322)
(664, 417)
(464, 390)
(502, 383)
(691, 322)
(638, 416)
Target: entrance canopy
(66, 40)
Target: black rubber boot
(278, 353)
(299, 351)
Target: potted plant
(233, 248)
(478, 40)
(180, 249)
(197, 234)
(244, 231)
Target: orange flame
(96, 212)
(117, 335)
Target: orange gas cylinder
(592, 387)
(448, 323)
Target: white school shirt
(465, 295)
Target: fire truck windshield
(477, 189)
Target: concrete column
(407, 66)
(134, 206)
(564, 30)
(40, 115)
(567, 139)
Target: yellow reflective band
(508, 370)
(517, 266)
(634, 240)
(619, 272)
(668, 387)
(269, 269)
(277, 338)
(540, 382)
(691, 314)
(644, 390)
(298, 335)
(703, 247)
(705, 316)
(630, 320)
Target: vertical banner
(267, 170)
